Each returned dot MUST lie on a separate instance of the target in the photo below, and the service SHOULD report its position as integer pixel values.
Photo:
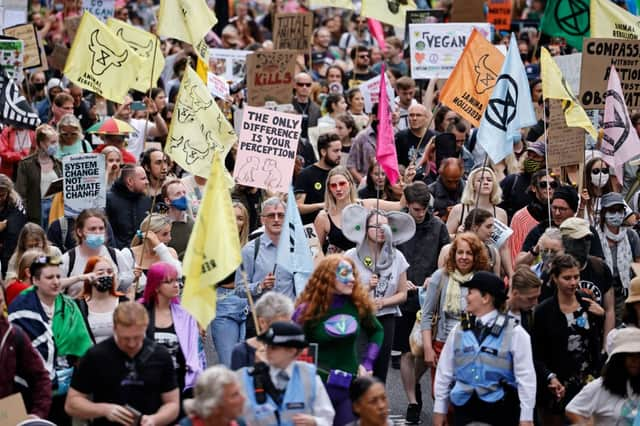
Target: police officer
(486, 364)
(285, 391)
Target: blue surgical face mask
(180, 203)
(614, 218)
(95, 241)
(52, 150)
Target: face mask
(180, 203)
(532, 166)
(104, 284)
(614, 218)
(52, 150)
(95, 241)
(38, 86)
(599, 180)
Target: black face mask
(104, 284)
(38, 86)
(577, 248)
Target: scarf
(453, 298)
(624, 256)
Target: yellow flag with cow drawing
(147, 46)
(100, 62)
(198, 127)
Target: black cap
(568, 194)
(489, 283)
(284, 333)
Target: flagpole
(546, 152)
(484, 167)
(250, 298)
(153, 69)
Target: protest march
(319, 212)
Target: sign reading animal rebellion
(270, 77)
(565, 146)
(293, 31)
(101, 9)
(267, 149)
(598, 54)
(436, 48)
(84, 183)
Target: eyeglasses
(274, 216)
(543, 184)
(559, 209)
(303, 84)
(336, 185)
(597, 171)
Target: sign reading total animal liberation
(84, 183)
(598, 54)
(267, 149)
(436, 48)
(293, 31)
(270, 77)
(101, 9)
(565, 146)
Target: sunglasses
(363, 56)
(336, 185)
(274, 216)
(303, 84)
(597, 171)
(47, 260)
(543, 184)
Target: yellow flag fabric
(57, 208)
(340, 4)
(100, 62)
(554, 86)
(198, 127)
(147, 46)
(202, 69)
(213, 251)
(392, 12)
(609, 20)
(187, 20)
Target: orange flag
(469, 87)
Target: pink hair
(157, 273)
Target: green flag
(568, 19)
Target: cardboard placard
(84, 183)
(270, 77)
(565, 145)
(29, 36)
(314, 243)
(12, 410)
(370, 91)
(501, 233)
(293, 31)
(598, 54)
(428, 16)
(101, 9)
(267, 149)
(12, 57)
(467, 11)
(500, 13)
(570, 67)
(71, 24)
(229, 63)
(58, 57)
(217, 86)
(436, 48)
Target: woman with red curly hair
(333, 309)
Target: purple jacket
(189, 338)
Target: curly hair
(480, 256)
(317, 295)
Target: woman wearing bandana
(333, 310)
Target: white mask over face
(599, 180)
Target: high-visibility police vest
(299, 398)
(484, 367)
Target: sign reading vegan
(293, 31)
(436, 48)
(598, 54)
(83, 183)
(102, 9)
(267, 149)
(270, 77)
(565, 146)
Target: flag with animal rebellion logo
(620, 142)
(147, 46)
(100, 62)
(198, 127)
(609, 20)
(14, 108)
(471, 82)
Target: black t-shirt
(110, 376)
(311, 181)
(406, 144)
(596, 279)
(168, 338)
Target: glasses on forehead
(47, 260)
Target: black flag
(14, 108)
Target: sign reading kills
(84, 183)
(270, 77)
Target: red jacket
(9, 156)
(19, 358)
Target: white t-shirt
(607, 409)
(101, 324)
(135, 142)
(124, 272)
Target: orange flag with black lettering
(468, 88)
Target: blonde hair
(469, 192)
(128, 314)
(244, 231)
(329, 199)
(45, 132)
(26, 260)
(110, 149)
(154, 222)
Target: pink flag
(375, 28)
(620, 143)
(386, 146)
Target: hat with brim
(634, 288)
(611, 199)
(284, 333)
(111, 126)
(575, 228)
(626, 341)
(488, 283)
(538, 147)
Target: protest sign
(12, 410)
(570, 67)
(12, 57)
(565, 145)
(101, 9)
(314, 242)
(29, 36)
(267, 149)
(598, 54)
(436, 48)
(499, 14)
(370, 91)
(467, 11)
(270, 76)
(501, 233)
(293, 31)
(217, 86)
(428, 16)
(229, 63)
(13, 12)
(84, 183)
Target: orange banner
(469, 87)
(499, 14)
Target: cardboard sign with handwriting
(293, 31)
(12, 410)
(565, 146)
(27, 33)
(270, 77)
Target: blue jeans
(45, 209)
(227, 329)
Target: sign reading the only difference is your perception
(436, 48)
(267, 149)
(84, 183)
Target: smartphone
(138, 106)
(136, 414)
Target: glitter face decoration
(344, 273)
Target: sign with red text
(270, 77)
(499, 14)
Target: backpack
(72, 258)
